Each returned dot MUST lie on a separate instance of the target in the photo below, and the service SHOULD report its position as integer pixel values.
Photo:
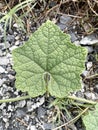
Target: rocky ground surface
(32, 114)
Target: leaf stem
(14, 99)
(82, 100)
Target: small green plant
(49, 63)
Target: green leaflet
(91, 120)
(48, 61)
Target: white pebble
(89, 40)
(4, 60)
(33, 127)
(5, 120)
(1, 82)
(89, 65)
(21, 104)
(2, 70)
(15, 25)
(17, 37)
(17, 43)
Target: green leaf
(91, 120)
(48, 61)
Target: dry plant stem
(22, 122)
(14, 99)
(73, 16)
(91, 77)
(92, 8)
(73, 120)
(57, 6)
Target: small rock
(89, 48)
(17, 37)
(9, 55)
(20, 113)
(16, 92)
(2, 105)
(65, 20)
(26, 118)
(11, 77)
(17, 43)
(15, 25)
(30, 106)
(42, 100)
(2, 70)
(33, 127)
(89, 40)
(2, 81)
(89, 65)
(21, 104)
(48, 126)
(90, 95)
(7, 44)
(5, 119)
(73, 36)
(10, 38)
(10, 108)
(4, 60)
(41, 112)
(62, 26)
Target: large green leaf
(48, 61)
(91, 120)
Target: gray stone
(89, 48)
(90, 96)
(65, 20)
(62, 26)
(41, 112)
(7, 44)
(89, 40)
(20, 113)
(30, 106)
(85, 73)
(73, 36)
(10, 38)
(1, 127)
(48, 126)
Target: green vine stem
(27, 97)
(14, 99)
(82, 100)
